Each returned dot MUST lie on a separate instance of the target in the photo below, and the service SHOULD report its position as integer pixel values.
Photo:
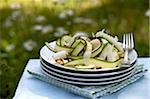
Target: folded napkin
(92, 92)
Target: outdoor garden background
(26, 24)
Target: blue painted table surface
(32, 88)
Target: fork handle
(126, 56)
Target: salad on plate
(82, 52)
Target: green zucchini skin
(81, 53)
(58, 48)
(97, 62)
(77, 49)
(61, 48)
(49, 47)
(75, 43)
(98, 51)
(88, 51)
(72, 41)
(58, 42)
(75, 57)
(88, 46)
(104, 51)
(110, 40)
(65, 39)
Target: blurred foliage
(26, 24)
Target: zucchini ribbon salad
(81, 52)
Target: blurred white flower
(57, 34)
(88, 21)
(62, 1)
(58, 1)
(60, 31)
(47, 29)
(10, 47)
(83, 20)
(15, 6)
(94, 2)
(78, 20)
(62, 15)
(29, 45)
(69, 12)
(66, 13)
(147, 13)
(15, 15)
(40, 19)
(37, 27)
(8, 23)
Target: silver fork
(128, 44)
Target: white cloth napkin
(92, 92)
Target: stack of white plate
(85, 77)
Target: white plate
(46, 55)
(85, 83)
(111, 77)
(87, 75)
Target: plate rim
(85, 72)
(89, 75)
(86, 79)
(87, 84)
(61, 66)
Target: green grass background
(116, 16)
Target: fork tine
(132, 41)
(124, 41)
(128, 40)
(129, 36)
